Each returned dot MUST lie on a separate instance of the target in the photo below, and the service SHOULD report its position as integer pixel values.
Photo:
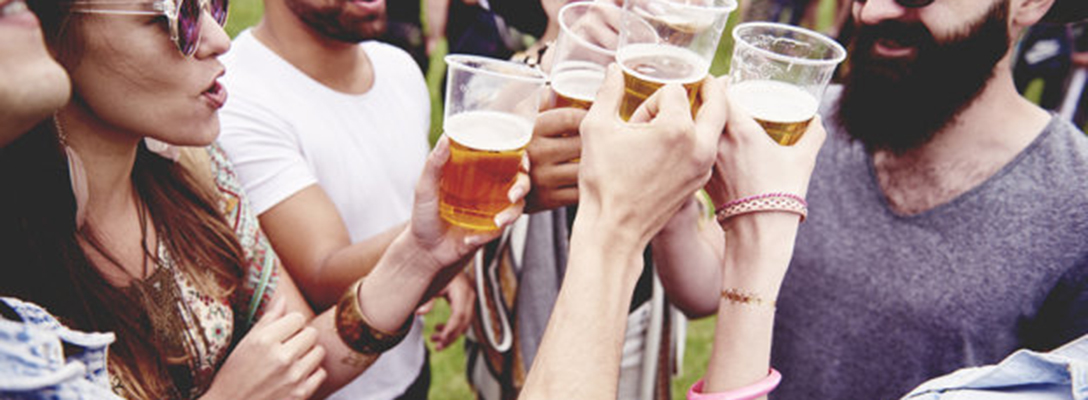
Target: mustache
(900, 33)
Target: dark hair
(44, 250)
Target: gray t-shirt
(876, 303)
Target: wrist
(758, 251)
(390, 293)
(613, 232)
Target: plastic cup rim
(840, 52)
(531, 74)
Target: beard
(899, 104)
(336, 23)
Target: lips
(892, 48)
(216, 95)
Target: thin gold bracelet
(740, 297)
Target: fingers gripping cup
(778, 75)
(668, 41)
(490, 109)
(585, 46)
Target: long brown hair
(44, 261)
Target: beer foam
(662, 55)
(578, 81)
(489, 130)
(774, 101)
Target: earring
(76, 174)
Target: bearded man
(948, 215)
(327, 129)
(948, 218)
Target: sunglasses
(183, 15)
(908, 3)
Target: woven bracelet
(356, 332)
(785, 202)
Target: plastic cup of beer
(585, 46)
(490, 108)
(668, 41)
(778, 74)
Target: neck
(341, 66)
(984, 137)
(108, 155)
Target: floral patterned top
(210, 322)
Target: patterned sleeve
(261, 261)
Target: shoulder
(385, 53)
(390, 61)
(1061, 153)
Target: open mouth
(893, 48)
(216, 94)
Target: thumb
(814, 136)
(427, 188)
(610, 93)
(711, 117)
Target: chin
(28, 98)
(194, 135)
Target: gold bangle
(740, 297)
(355, 330)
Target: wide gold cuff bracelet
(355, 330)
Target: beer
(784, 110)
(486, 148)
(648, 67)
(576, 82)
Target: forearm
(756, 258)
(580, 354)
(688, 259)
(333, 275)
(387, 298)
(436, 14)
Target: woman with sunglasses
(111, 236)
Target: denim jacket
(1059, 374)
(33, 364)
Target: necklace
(176, 331)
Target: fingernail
(473, 241)
(502, 219)
(516, 193)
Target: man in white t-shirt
(328, 133)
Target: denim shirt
(1059, 374)
(33, 364)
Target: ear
(1024, 13)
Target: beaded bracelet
(786, 202)
(355, 330)
(750, 392)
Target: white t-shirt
(285, 131)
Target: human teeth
(12, 8)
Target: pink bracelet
(786, 202)
(750, 392)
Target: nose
(213, 39)
(872, 12)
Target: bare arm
(758, 246)
(625, 200)
(437, 13)
(687, 255)
(313, 243)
